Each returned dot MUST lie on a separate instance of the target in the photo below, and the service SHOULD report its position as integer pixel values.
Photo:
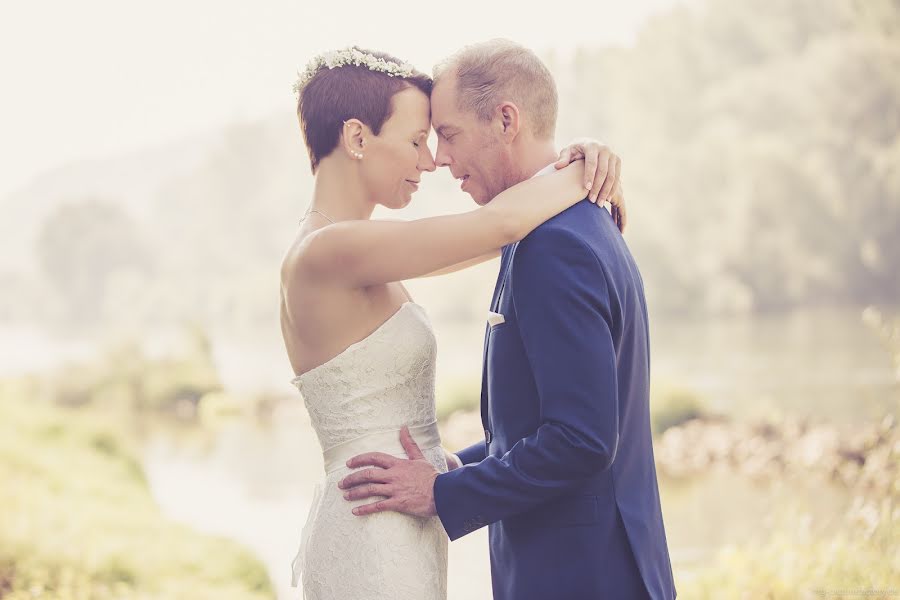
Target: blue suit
(565, 478)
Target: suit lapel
(504, 260)
(506, 254)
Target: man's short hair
(499, 70)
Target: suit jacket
(565, 478)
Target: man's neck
(536, 157)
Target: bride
(362, 350)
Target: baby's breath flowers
(350, 56)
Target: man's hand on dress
(407, 485)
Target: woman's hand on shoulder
(602, 172)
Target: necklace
(312, 210)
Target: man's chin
(479, 194)
(480, 197)
(483, 199)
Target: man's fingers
(367, 491)
(410, 445)
(380, 506)
(377, 459)
(365, 476)
(607, 187)
(565, 157)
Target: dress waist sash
(388, 442)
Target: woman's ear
(353, 138)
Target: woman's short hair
(332, 96)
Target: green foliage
(671, 406)
(796, 564)
(125, 379)
(462, 394)
(78, 520)
(761, 146)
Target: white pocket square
(495, 318)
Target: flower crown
(350, 56)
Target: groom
(565, 477)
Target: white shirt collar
(548, 169)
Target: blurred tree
(81, 246)
(762, 148)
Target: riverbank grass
(78, 519)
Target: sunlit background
(152, 175)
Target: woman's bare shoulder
(300, 255)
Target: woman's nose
(428, 163)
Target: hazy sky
(92, 78)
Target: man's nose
(441, 157)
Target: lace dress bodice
(357, 402)
(380, 383)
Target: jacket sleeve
(565, 317)
(473, 454)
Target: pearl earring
(357, 154)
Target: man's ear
(509, 120)
(353, 138)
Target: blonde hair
(498, 70)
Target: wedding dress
(357, 402)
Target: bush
(78, 519)
(124, 378)
(795, 564)
(673, 406)
(461, 394)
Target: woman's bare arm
(362, 253)
(464, 265)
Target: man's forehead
(442, 94)
(439, 120)
(442, 113)
(438, 126)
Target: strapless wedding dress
(357, 402)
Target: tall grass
(77, 520)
